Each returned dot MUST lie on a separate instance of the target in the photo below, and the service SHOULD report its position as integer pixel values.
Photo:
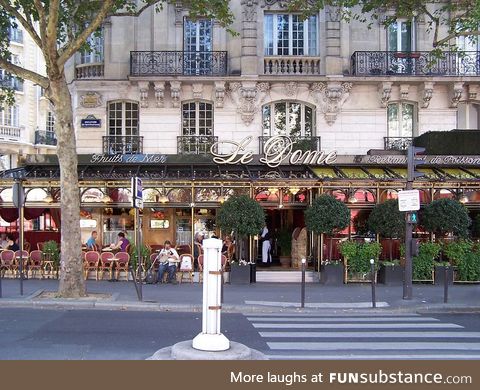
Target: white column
(211, 339)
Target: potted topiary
(284, 241)
(327, 215)
(244, 217)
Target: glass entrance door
(197, 43)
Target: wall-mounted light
(163, 197)
(294, 190)
(48, 198)
(106, 198)
(463, 198)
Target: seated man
(92, 242)
(168, 258)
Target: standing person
(92, 242)
(266, 247)
(168, 258)
(197, 248)
(122, 243)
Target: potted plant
(442, 268)
(244, 217)
(52, 253)
(357, 256)
(144, 252)
(332, 273)
(444, 216)
(284, 240)
(390, 273)
(423, 264)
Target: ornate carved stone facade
(248, 98)
(331, 96)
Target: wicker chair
(25, 260)
(90, 263)
(123, 260)
(224, 262)
(36, 262)
(185, 268)
(7, 263)
(107, 261)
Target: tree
(243, 216)
(445, 20)
(327, 215)
(444, 216)
(60, 29)
(387, 221)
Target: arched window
(123, 128)
(197, 128)
(294, 119)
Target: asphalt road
(82, 334)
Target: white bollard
(211, 339)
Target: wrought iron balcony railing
(10, 133)
(44, 137)
(301, 143)
(173, 63)
(291, 65)
(195, 144)
(418, 63)
(397, 143)
(122, 144)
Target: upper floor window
(289, 35)
(95, 55)
(197, 128)
(9, 81)
(15, 34)
(289, 118)
(123, 128)
(401, 120)
(401, 36)
(9, 116)
(50, 124)
(468, 116)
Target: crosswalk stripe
(319, 305)
(356, 326)
(372, 346)
(345, 319)
(375, 357)
(335, 315)
(342, 335)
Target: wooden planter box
(332, 274)
(440, 275)
(240, 274)
(390, 275)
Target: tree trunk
(330, 249)
(72, 283)
(391, 248)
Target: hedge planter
(240, 274)
(332, 274)
(440, 275)
(390, 275)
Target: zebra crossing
(364, 336)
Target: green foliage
(386, 220)
(242, 215)
(327, 215)
(457, 250)
(391, 263)
(51, 248)
(444, 216)
(424, 262)
(284, 239)
(468, 267)
(358, 255)
(144, 252)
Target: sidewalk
(273, 297)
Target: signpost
(409, 200)
(19, 201)
(137, 200)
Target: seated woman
(12, 244)
(121, 244)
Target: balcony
(89, 71)
(301, 143)
(397, 143)
(178, 63)
(45, 137)
(195, 144)
(419, 63)
(291, 65)
(10, 133)
(122, 144)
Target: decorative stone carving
(179, 13)
(143, 87)
(456, 94)
(473, 91)
(249, 10)
(331, 96)
(91, 100)
(404, 89)
(197, 90)
(248, 98)
(159, 87)
(385, 90)
(175, 89)
(291, 89)
(333, 14)
(427, 93)
(219, 94)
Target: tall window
(15, 34)
(9, 81)
(401, 120)
(197, 127)
(9, 116)
(123, 127)
(468, 116)
(401, 36)
(95, 55)
(288, 118)
(197, 44)
(289, 35)
(50, 125)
